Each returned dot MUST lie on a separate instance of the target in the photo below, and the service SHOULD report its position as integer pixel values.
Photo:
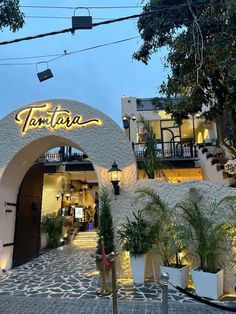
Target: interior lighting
(58, 195)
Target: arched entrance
(29, 131)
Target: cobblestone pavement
(24, 305)
(68, 274)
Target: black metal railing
(181, 149)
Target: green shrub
(106, 226)
(52, 225)
(135, 235)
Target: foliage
(135, 235)
(207, 237)
(152, 164)
(10, 15)
(168, 233)
(52, 225)
(182, 26)
(106, 225)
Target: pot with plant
(168, 235)
(135, 239)
(206, 240)
(106, 238)
(52, 225)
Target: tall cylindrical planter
(138, 268)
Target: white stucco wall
(125, 204)
(103, 144)
(209, 171)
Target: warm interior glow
(206, 134)
(199, 138)
(177, 175)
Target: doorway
(28, 216)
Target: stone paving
(68, 274)
(37, 305)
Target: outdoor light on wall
(67, 195)
(126, 121)
(115, 175)
(58, 195)
(44, 75)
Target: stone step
(87, 234)
(85, 238)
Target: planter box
(178, 276)
(138, 268)
(208, 285)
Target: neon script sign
(44, 116)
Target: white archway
(24, 137)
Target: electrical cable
(62, 17)
(110, 7)
(57, 56)
(80, 7)
(94, 25)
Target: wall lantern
(67, 195)
(115, 175)
(58, 195)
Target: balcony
(55, 157)
(185, 150)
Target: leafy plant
(206, 235)
(152, 164)
(106, 226)
(52, 225)
(167, 231)
(135, 235)
(202, 79)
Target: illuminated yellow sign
(44, 116)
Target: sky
(98, 77)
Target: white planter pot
(138, 268)
(43, 240)
(208, 285)
(178, 276)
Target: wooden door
(28, 216)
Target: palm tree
(152, 164)
(167, 231)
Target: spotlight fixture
(44, 75)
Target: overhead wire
(64, 17)
(94, 25)
(57, 56)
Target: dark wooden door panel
(28, 217)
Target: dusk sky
(98, 77)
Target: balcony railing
(57, 157)
(182, 149)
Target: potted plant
(168, 235)
(206, 239)
(135, 239)
(52, 225)
(153, 165)
(106, 236)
